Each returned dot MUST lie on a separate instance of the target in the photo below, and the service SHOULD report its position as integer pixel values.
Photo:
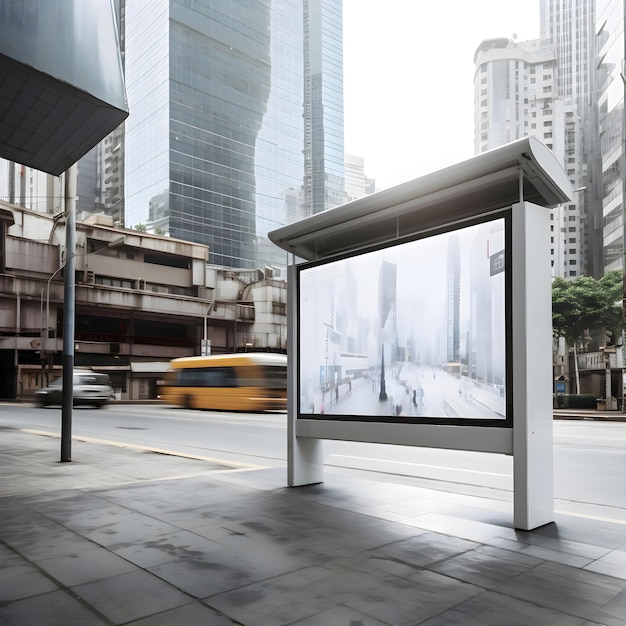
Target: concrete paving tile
(366, 563)
(579, 592)
(602, 566)
(493, 609)
(397, 600)
(196, 517)
(22, 580)
(181, 545)
(461, 527)
(8, 558)
(47, 544)
(292, 510)
(69, 504)
(19, 522)
(158, 497)
(86, 565)
(592, 531)
(229, 507)
(339, 616)
(226, 533)
(491, 516)
(486, 566)
(416, 507)
(265, 559)
(555, 541)
(131, 596)
(613, 613)
(58, 608)
(192, 614)
(556, 556)
(270, 603)
(202, 579)
(126, 527)
(425, 549)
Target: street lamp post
(69, 296)
(205, 349)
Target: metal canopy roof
(525, 170)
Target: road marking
(133, 446)
(440, 467)
(598, 518)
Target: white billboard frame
(530, 439)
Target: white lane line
(598, 518)
(133, 446)
(439, 467)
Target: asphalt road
(590, 456)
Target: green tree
(141, 228)
(612, 286)
(585, 305)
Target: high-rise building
(215, 142)
(568, 28)
(323, 105)
(516, 95)
(610, 86)
(453, 295)
(543, 88)
(358, 184)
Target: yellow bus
(250, 381)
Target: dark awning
(61, 81)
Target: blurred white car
(89, 388)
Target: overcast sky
(408, 78)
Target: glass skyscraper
(611, 52)
(323, 101)
(215, 140)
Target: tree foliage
(585, 305)
(612, 285)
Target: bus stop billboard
(421, 316)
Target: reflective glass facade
(215, 138)
(610, 20)
(323, 73)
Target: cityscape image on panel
(410, 332)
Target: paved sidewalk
(124, 536)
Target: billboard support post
(305, 455)
(533, 474)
